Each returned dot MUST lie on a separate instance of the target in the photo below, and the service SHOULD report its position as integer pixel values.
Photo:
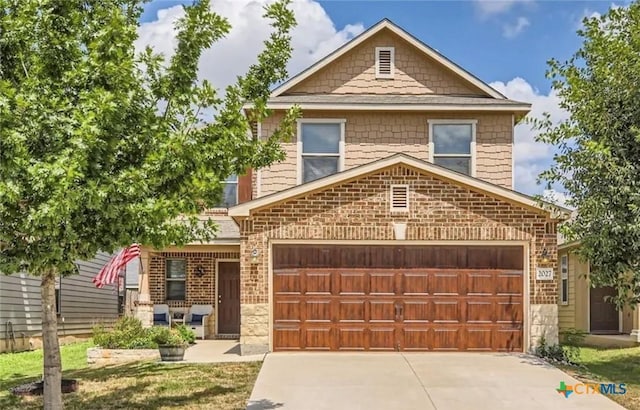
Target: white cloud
(531, 157)
(511, 30)
(556, 197)
(493, 7)
(314, 36)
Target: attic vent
(399, 198)
(385, 62)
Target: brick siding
(198, 290)
(359, 210)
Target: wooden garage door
(386, 298)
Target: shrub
(168, 337)
(127, 333)
(558, 353)
(186, 333)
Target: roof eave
(515, 108)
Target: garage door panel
(288, 338)
(317, 283)
(508, 339)
(416, 311)
(480, 311)
(446, 311)
(509, 283)
(509, 311)
(318, 310)
(288, 311)
(444, 282)
(480, 283)
(449, 257)
(479, 338)
(417, 338)
(382, 311)
(398, 297)
(352, 283)
(287, 283)
(481, 257)
(382, 338)
(510, 257)
(351, 310)
(415, 283)
(318, 338)
(352, 338)
(446, 338)
(382, 283)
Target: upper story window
(229, 192)
(452, 144)
(385, 62)
(320, 148)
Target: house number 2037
(544, 273)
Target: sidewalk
(217, 351)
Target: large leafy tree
(101, 146)
(599, 147)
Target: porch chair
(197, 319)
(161, 316)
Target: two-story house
(392, 224)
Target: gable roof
(389, 25)
(475, 184)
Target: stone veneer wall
(544, 323)
(359, 210)
(370, 136)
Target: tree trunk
(52, 364)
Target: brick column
(144, 306)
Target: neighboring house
(80, 305)
(392, 223)
(583, 307)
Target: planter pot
(171, 353)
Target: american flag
(110, 272)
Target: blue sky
(505, 43)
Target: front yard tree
(598, 160)
(101, 147)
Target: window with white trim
(321, 148)
(176, 278)
(229, 192)
(564, 279)
(452, 144)
(399, 198)
(385, 62)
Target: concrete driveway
(407, 381)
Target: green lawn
(613, 365)
(142, 385)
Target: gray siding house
(80, 306)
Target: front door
(228, 297)
(603, 314)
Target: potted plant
(171, 344)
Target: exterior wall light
(199, 271)
(254, 256)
